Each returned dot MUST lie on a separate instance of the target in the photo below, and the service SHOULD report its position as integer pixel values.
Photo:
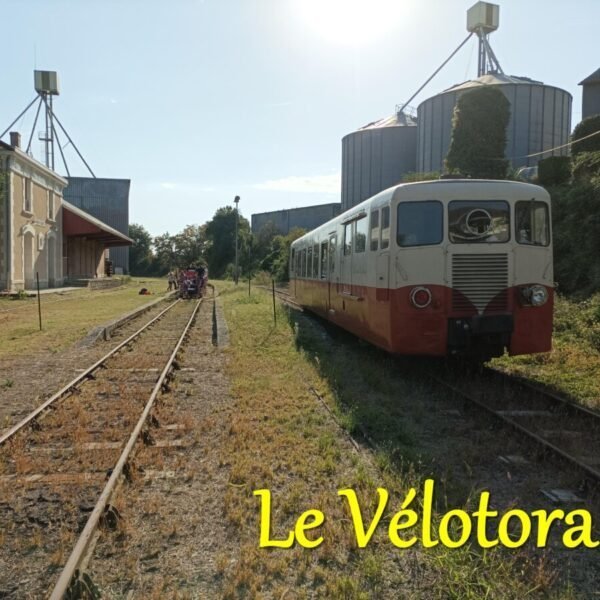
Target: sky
(199, 101)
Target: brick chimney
(15, 139)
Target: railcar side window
(420, 223)
(309, 262)
(323, 260)
(385, 227)
(374, 231)
(532, 223)
(348, 238)
(478, 221)
(316, 261)
(293, 260)
(298, 271)
(332, 248)
(303, 271)
(360, 242)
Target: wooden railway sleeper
(82, 588)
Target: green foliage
(220, 233)
(479, 134)
(277, 261)
(414, 176)
(576, 224)
(140, 254)
(583, 129)
(554, 170)
(586, 166)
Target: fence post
(274, 313)
(249, 277)
(37, 278)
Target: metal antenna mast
(46, 86)
(482, 19)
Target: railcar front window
(532, 223)
(478, 221)
(420, 223)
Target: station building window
(50, 205)
(27, 196)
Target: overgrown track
(53, 473)
(556, 424)
(562, 427)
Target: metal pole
(20, 115)
(37, 278)
(274, 313)
(236, 275)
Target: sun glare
(351, 22)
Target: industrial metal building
(108, 201)
(306, 217)
(591, 95)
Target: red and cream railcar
(435, 268)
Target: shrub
(586, 165)
(583, 129)
(479, 134)
(554, 170)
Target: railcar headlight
(539, 295)
(420, 297)
(536, 295)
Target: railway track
(554, 423)
(60, 466)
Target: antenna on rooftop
(482, 19)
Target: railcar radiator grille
(480, 280)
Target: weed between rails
(281, 438)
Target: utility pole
(237, 218)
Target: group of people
(177, 277)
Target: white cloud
(311, 184)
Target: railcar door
(332, 276)
(383, 276)
(346, 259)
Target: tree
(165, 252)
(586, 127)
(479, 134)
(140, 253)
(190, 246)
(220, 233)
(277, 261)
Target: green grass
(573, 366)
(67, 317)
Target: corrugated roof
(96, 222)
(593, 78)
(494, 79)
(397, 120)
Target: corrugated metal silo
(376, 156)
(540, 119)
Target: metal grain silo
(540, 119)
(376, 156)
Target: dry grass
(66, 318)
